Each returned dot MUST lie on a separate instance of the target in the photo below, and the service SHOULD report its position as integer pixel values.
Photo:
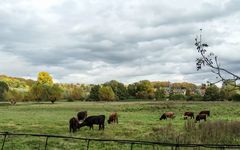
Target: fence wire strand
(130, 142)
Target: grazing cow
(113, 118)
(206, 112)
(201, 117)
(91, 120)
(82, 115)
(73, 124)
(188, 114)
(167, 115)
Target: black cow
(73, 124)
(206, 112)
(91, 120)
(201, 117)
(82, 115)
(189, 114)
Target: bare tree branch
(211, 60)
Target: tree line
(18, 89)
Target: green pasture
(137, 121)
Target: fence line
(131, 142)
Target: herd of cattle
(83, 119)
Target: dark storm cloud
(95, 41)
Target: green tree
(36, 92)
(160, 94)
(55, 93)
(106, 94)
(132, 89)
(46, 92)
(44, 89)
(118, 88)
(212, 93)
(94, 93)
(3, 88)
(13, 96)
(228, 90)
(236, 96)
(45, 78)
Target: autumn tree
(44, 78)
(44, 89)
(106, 94)
(159, 84)
(145, 90)
(77, 93)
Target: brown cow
(206, 112)
(113, 118)
(188, 114)
(167, 115)
(201, 117)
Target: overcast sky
(93, 41)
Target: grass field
(137, 121)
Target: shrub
(236, 97)
(177, 97)
(195, 97)
(210, 132)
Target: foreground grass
(137, 121)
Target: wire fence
(131, 143)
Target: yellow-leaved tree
(45, 78)
(44, 89)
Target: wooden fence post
(131, 146)
(46, 143)
(4, 139)
(88, 144)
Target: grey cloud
(124, 40)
